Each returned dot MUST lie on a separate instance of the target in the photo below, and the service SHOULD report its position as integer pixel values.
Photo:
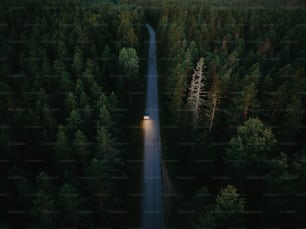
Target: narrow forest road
(152, 215)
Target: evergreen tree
(81, 147)
(74, 121)
(64, 160)
(227, 212)
(68, 205)
(106, 149)
(77, 62)
(99, 171)
(104, 119)
(70, 103)
(44, 211)
(248, 154)
(129, 61)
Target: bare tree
(197, 93)
(213, 99)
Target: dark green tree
(77, 62)
(70, 103)
(129, 61)
(106, 149)
(44, 211)
(227, 212)
(81, 147)
(68, 205)
(99, 171)
(74, 122)
(253, 142)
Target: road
(152, 217)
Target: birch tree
(197, 93)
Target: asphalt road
(152, 217)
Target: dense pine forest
(232, 90)
(65, 70)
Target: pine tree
(68, 204)
(248, 151)
(129, 61)
(101, 182)
(178, 80)
(106, 149)
(44, 209)
(64, 160)
(65, 83)
(74, 122)
(229, 208)
(81, 147)
(228, 211)
(126, 31)
(95, 91)
(84, 100)
(87, 116)
(104, 119)
(103, 101)
(70, 103)
(77, 62)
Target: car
(146, 116)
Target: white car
(146, 116)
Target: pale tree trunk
(215, 100)
(214, 97)
(197, 92)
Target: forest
(65, 67)
(232, 88)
